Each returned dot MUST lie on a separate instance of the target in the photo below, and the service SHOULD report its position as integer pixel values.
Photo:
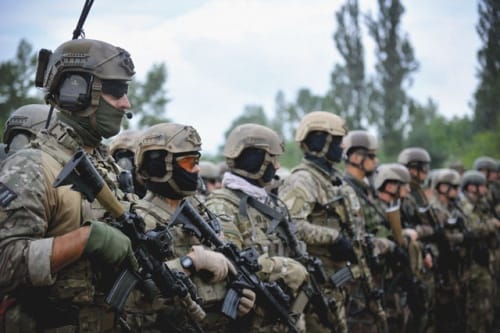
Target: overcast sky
(224, 54)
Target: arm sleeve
(24, 253)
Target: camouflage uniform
(416, 213)
(37, 213)
(33, 214)
(171, 315)
(308, 193)
(481, 290)
(451, 264)
(234, 203)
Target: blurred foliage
(148, 98)
(17, 81)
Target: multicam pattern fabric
(38, 213)
(481, 293)
(254, 228)
(170, 314)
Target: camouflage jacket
(33, 212)
(312, 197)
(155, 210)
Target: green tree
(148, 98)
(487, 95)
(251, 114)
(395, 63)
(348, 95)
(17, 81)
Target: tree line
(379, 102)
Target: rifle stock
(150, 248)
(269, 294)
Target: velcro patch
(6, 195)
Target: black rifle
(269, 294)
(323, 306)
(150, 248)
(373, 295)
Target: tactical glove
(289, 270)
(109, 245)
(215, 263)
(342, 250)
(247, 302)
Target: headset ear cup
(74, 92)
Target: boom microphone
(129, 115)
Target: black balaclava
(155, 166)
(315, 142)
(251, 160)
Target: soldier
(210, 175)
(251, 152)
(53, 255)
(483, 228)
(360, 157)
(451, 263)
(122, 149)
(417, 213)
(488, 167)
(22, 126)
(167, 158)
(310, 193)
(391, 181)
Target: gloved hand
(342, 250)
(289, 270)
(247, 301)
(109, 244)
(399, 256)
(213, 262)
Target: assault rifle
(150, 248)
(373, 295)
(323, 306)
(269, 294)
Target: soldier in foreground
(52, 253)
(310, 193)
(167, 158)
(251, 153)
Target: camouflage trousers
(479, 300)
(313, 323)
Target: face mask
(334, 153)
(269, 173)
(108, 119)
(186, 181)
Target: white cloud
(224, 54)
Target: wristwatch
(188, 264)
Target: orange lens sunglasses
(188, 162)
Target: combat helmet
(248, 138)
(122, 148)
(171, 141)
(391, 172)
(485, 163)
(320, 121)
(76, 72)
(412, 155)
(473, 177)
(320, 135)
(29, 120)
(446, 176)
(359, 139)
(209, 170)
